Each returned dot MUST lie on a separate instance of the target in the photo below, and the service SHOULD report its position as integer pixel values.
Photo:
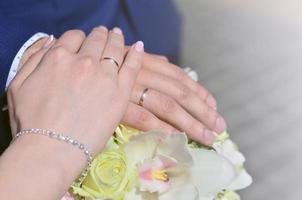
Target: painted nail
(48, 42)
(117, 31)
(103, 27)
(139, 46)
(212, 102)
(220, 125)
(209, 136)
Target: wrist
(57, 157)
(35, 163)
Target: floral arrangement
(160, 166)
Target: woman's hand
(75, 91)
(68, 88)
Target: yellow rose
(124, 133)
(108, 177)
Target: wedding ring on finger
(113, 61)
(143, 96)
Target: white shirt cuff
(14, 67)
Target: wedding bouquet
(160, 166)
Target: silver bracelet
(61, 137)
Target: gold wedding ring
(143, 96)
(112, 60)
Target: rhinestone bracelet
(61, 137)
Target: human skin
(37, 167)
(174, 101)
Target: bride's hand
(70, 88)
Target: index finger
(71, 40)
(95, 42)
(173, 71)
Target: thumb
(130, 68)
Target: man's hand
(32, 50)
(173, 102)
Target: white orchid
(191, 73)
(228, 149)
(168, 169)
(160, 166)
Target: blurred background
(249, 55)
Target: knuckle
(209, 117)
(133, 63)
(142, 116)
(195, 129)
(206, 110)
(98, 34)
(116, 43)
(202, 92)
(86, 61)
(86, 64)
(179, 74)
(58, 53)
(168, 105)
(183, 92)
(75, 33)
(168, 128)
(83, 69)
(212, 116)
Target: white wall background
(249, 54)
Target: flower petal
(191, 73)
(206, 198)
(230, 151)
(133, 196)
(175, 146)
(211, 173)
(182, 192)
(67, 196)
(141, 147)
(242, 181)
(147, 182)
(137, 195)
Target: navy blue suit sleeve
(13, 34)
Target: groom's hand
(34, 48)
(173, 102)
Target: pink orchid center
(160, 175)
(151, 174)
(154, 174)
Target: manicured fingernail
(103, 27)
(220, 125)
(212, 102)
(48, 42)
(139, 46)
(209, 136)
(117, 31)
